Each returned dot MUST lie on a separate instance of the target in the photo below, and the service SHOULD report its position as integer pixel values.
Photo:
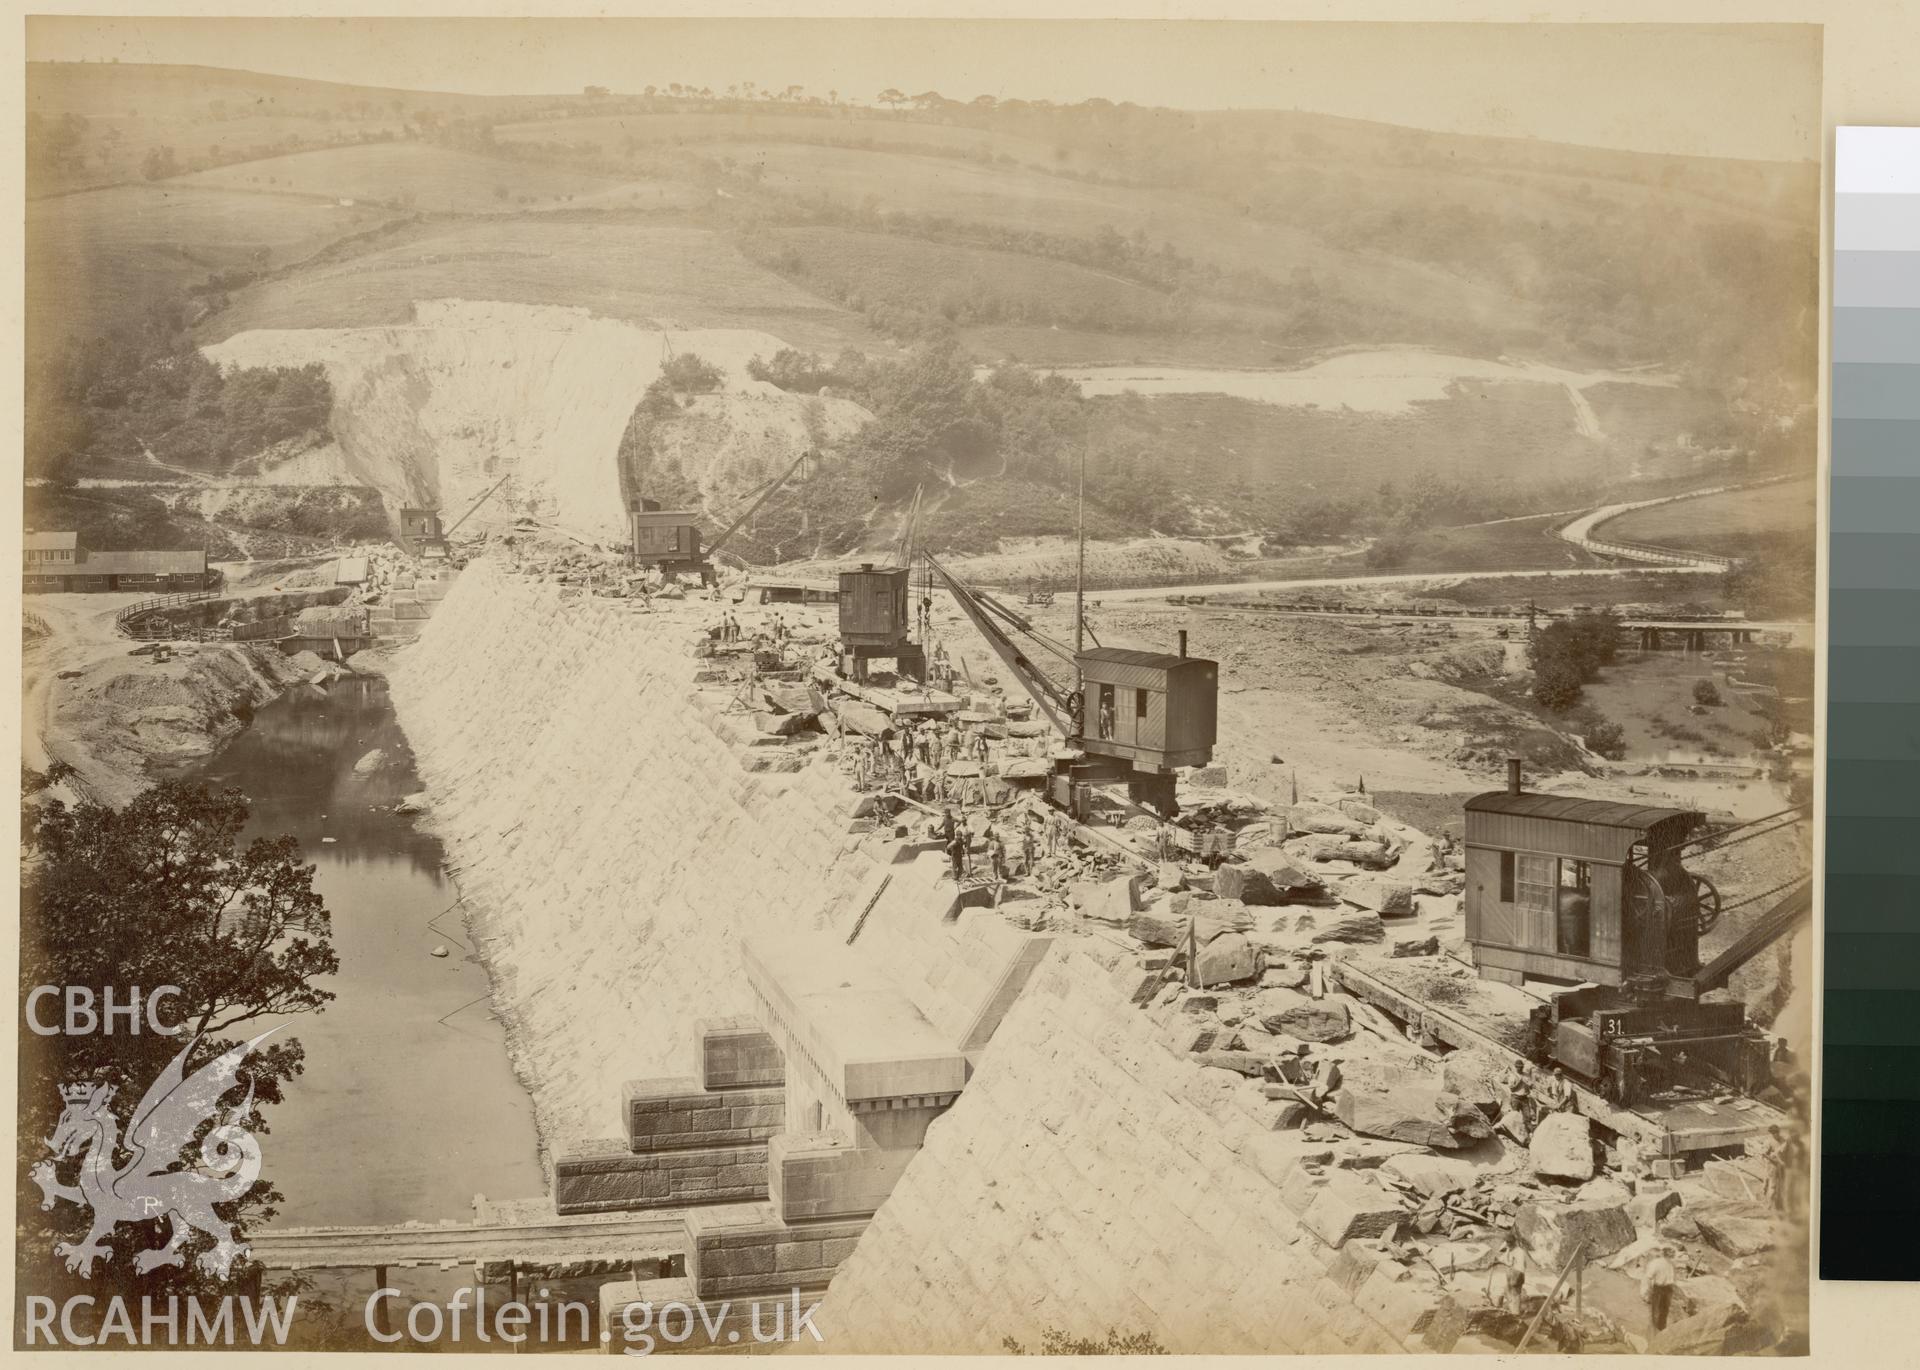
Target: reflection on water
(407, 1107)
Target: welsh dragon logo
(150, 1186)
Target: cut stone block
(1413, 1110)
(1311, 1020)
(1227, 959)
(1347, 1207)
(1551, 1230)
(1561, 1147)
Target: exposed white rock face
(434, 412)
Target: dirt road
(1411, 578)
(80, 635)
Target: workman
(1512, 1275)
(1520, 1092)
(1656, 1286)
(957, 854)
(1556, 1095)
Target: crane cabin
(1150, 709)
(667, 538)
(876, 621)
(1582, 890)
(420, 533)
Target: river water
(408, 1106)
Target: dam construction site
(994, 727)
(815, 986)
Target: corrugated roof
(1562, 808)
(142, 564)
(52, 542)
(1123, 656)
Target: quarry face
(434, 413)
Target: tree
(892, 98)
(161, 893)
(691, 374)
(1706, 693)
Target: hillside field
(627, 269)
(1726, 524)
(419, 176)
(94, 258)
(1016, 199)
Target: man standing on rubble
(1029, 847)
(1520, 1095)
(957, 853)
(1656, 1287)
(1512, 1276)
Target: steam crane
(670, 538)
(1151, 713)
(1596, 893)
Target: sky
(1732, 91)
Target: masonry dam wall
(610, 848)
(968, 1130)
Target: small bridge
(499, 1242)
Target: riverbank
(123, 718)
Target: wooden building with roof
(1565, 888)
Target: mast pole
(1080, 570)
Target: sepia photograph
(918, 686)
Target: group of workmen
(1039, 832)
(1534, 1095)
(915, 759)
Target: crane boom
(476, 504)
(754, 508)
(1049, 698)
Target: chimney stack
(1183, 642)
(1513, 775)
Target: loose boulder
(1360, 928)
(1284, 975)
(1725, 1331)
(1735, 1228)
(1310, 818)
(1551, 1230)
(1561, 1149)
(1158, 928)
(1311, 1020)
(1413, 1110)
(1112, 901)
(1475, 1076)
(1388, 898)
(1227, 959)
